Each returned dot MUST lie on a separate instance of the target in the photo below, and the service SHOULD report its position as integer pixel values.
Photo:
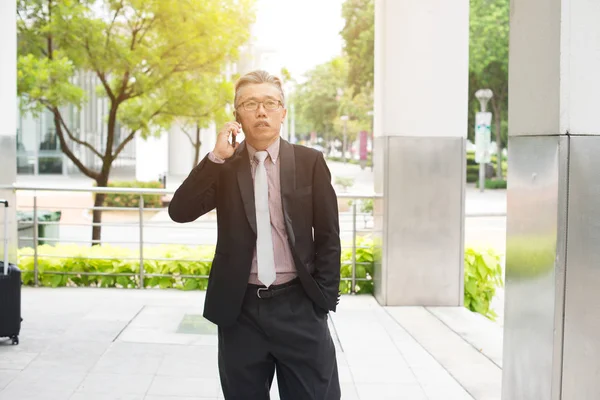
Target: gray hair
(256, 77)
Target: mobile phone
(233, 134)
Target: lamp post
(483, 121)
(345, 119)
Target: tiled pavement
(111, 344)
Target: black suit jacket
(311, 220)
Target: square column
(421, 100)
(8, 116)
(552, 310)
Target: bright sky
(302, 33)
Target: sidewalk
(111, 344)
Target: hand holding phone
(223, 148)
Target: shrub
(473, 167)
(344, 182)
(365, 262)
(73, 258)
(493, 184)
(132, 200)
(483, 274)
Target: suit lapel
(287, 178)
(244, 178)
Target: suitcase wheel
(15, 340)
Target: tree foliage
(344, 85)
(318, 99)
(146, 54)
(359, 39)
(207, 99)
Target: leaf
(123, 281)
(471, 288)
(165, 283)
(190, 284)
(56, 280)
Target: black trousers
(286, 333)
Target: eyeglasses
(270, 105)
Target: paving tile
(120, 364)
(11, 358)
(35, 379)
(182, 386)
(6, 376)
(96, 331)
(202, 366)
(106, 396)
(150, 397)
(482, 333)
(123, 384)
(349, 391)
(475, 372)
(439, 391)
(390, 391)
(371, 368)
(35, 394)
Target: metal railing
(349, 230)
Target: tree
(325, 97)
(141, 51)
(488, 58)
(206, 100)
(318, 99)
(359, 38)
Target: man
(276, 270)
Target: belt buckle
(258, 292)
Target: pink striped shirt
(284, 262)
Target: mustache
(261, 123)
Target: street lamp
(483, 121)
(345, 119)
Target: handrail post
(353, 289)
(35, 241)
(141, 285)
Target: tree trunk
(97, 218)
(102, 180)
(197, 144)
(498, 127)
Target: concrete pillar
(151, 157)
(181, 151)
(8, 116)
(552, 310)
(421, 96)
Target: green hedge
(473, 167)
(482, 270)
(131, 200)
(493, 184)
(88, 259)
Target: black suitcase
(10, 291)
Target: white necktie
(264, 242)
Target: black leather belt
(263, 292)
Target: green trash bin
(45, 231)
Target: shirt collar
(273, 150)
